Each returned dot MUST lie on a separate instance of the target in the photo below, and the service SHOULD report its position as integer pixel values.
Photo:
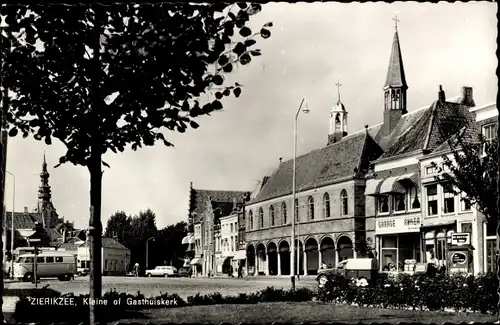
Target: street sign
(460, 239)
(34, 240)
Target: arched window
(326, 205)
(296, 209)
(283, 212)
(261, 218)
(310, 210)
(250, 216)
(271, 215)
(344, 199)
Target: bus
(50, 264)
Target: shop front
(398, 242)
(436, 240)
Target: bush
(458, 292)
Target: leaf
(250, 42)
(245, 31)
(106, 164)
(216, 105)
(265, 33)
(13, 132)
(194, 125)
(237, 92)
(269, 24)
(218, 95)
(239, 49)
(227, 92)
(245, 59)
(228, 68)
(218, 80)
(223, 60)
(255, 52)
(185, 106)
(242, 5)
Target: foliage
(472, 168)
(119, 226)
(155, 60)
(457, 292)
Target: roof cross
(338, 84)
(396, 21)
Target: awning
(191, 240)
(391, 185)
(373, 186)
(240, 255)
(413, 177)
(196, 261)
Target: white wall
(120, 257)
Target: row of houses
(373, 193)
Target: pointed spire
(44, 191)
(395, 73)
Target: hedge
(122, 305)
(455, 292)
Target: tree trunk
(498, 215)
(95, 169)
(2, 194)
(95, 234)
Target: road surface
(184, 287)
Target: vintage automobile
(184, 272)
(163, 270)
(361, 269)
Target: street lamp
(147, 252)
(12, 224)
(305, 109)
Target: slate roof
(222, 199)
(435, 125)
(468, 133)
(395, 72)
(53, 234)
(21, 220)
(111, 243)
(347, 158)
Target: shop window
(441, 249)
(345, 202)
(399, 202)
(389, 253)
(326, 205)
(448, 199)
(383, 204)
(414, 198)
(271, 214)
(250, 217)
(432, 200)
(310, 210)
(283, 212)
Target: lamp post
(12, 224)
(303, 107)
(147, 252)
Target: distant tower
(395, 86)
(45, 207)
(338, 120)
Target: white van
(50, 264)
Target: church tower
(395, 86)
(338, 120)
(45, 207)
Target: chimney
(26, 210)
(441, 95)
(467, 97)
(235, 205)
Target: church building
(351, 192)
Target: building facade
(115, 257)
(207, 207)
(365, 193)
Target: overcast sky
(312, 46)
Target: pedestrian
(239, 271)
(231, 271)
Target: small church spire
(44, 194)
(396, 21)
(338, 120)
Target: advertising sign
(398, 224)
(460, 239)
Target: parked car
(362, 269)
(82, 271)
(185, 272)
(163, 270)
